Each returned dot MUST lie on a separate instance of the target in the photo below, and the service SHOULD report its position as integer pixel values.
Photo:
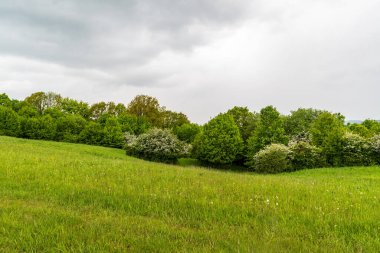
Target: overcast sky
(200, 57)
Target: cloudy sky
(200, 57)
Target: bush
(133, 124)
(270, 129)
(305, 155)
(156, 145)
(113, 136)
(327, 132)
(69, 128)
(92, 134)
(356, 150)
(375, 148)
(274, 158)
(187, 132)
(219, 142)
(9, 122)
(41, 128)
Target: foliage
(113, 135)
(356, 150)
(187, 132)
(304, 155)
(5, 100)
(42, 101)
(274, 158)
(92, 134)
(360, 129)
(40, 128)
(298, 123)
(375, 148)
(148, 107)
(327, 133)
(134, 124)
(69, 128)
(234, 137)
(9, 122)
(71, 106)
(219, 142)
(245, 120)
(28, 111)
(156, 145)
(270, 129)
(173, 119)
(373, 126)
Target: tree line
(263, 141)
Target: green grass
(59, 197)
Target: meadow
(61, 197)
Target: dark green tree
(245, 120)
(219, 142)
(270, 129)
(148, 107)
(327, 132)
(92, 134)
(113, 135)
(134, 124)
(298, 123)
(9, 122)
(173, 119)
(41, 100)
(71, 106)
(69, 127)
(187, 132)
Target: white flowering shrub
(274, 158)
(305, 155)
(375, 148)
(156, 145)
(129, 138)
(356, 150)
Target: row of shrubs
(67, 128)
(163, 146)
(308, 138)
(276, 158)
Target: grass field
(59, 197)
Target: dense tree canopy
(219, 142)
(270, 129)
(317, 138)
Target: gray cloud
(101, 34)
(200, 57)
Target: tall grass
(59, 197)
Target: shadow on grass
(190, 162)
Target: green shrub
(375, 148)
(356, 150)
(69, 128)
(305, 155)
(134, 124)
(274, 158)
(9, 122)
(156, 145)
(327, 133)
(113, 136)
(47, 128)
(219, 142)
(270, 129)
(39, 128)
(187, 132)
(92, 134)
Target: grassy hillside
(60, 197)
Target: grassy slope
(65, 197)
